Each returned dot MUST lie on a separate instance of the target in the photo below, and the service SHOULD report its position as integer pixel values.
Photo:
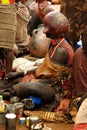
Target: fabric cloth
(43, 8)
(80, 127)
(22, 38)
(81, 116)
(60, 73)
(23, 12)
(67, 47)
(3, 54)
(51, 69)
(7, 25)
(80, 72)
(76, 12)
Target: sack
(7, 25)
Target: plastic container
(2, 110)
(22, 120)
(27, 121)
(36, 100)
(10, 121)
(2, 104)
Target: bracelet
(25, 72)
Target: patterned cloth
(81, 117)
(22, 39)
(8, 24)
(23, 12)
(61, 74)
(50, 69)
(76, 12)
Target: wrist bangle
(25, 72)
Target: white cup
(10, 123)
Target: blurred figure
(58, 61)
(8, 24)
(34, 18)
(80, 66)
(76, 13)
(22, 38)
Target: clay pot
(39, 43)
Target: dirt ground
(53, 126)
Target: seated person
(35, 19)
(80, 66)
(57, 65)
(76, 13)
(59, 59)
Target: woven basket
(7, 25)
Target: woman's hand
(64, 105)
(13, 75)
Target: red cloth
(12, 1)
(40, 14)
(54, 41)
(28, 78)
(80, 127)
(2, 73)
(64, 105)
(67, 85)
(80, 71)
(45, 9)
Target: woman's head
(55, 24)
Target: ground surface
(54, 126)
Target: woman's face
(53, 28)
(49, 28)
(55, 24)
